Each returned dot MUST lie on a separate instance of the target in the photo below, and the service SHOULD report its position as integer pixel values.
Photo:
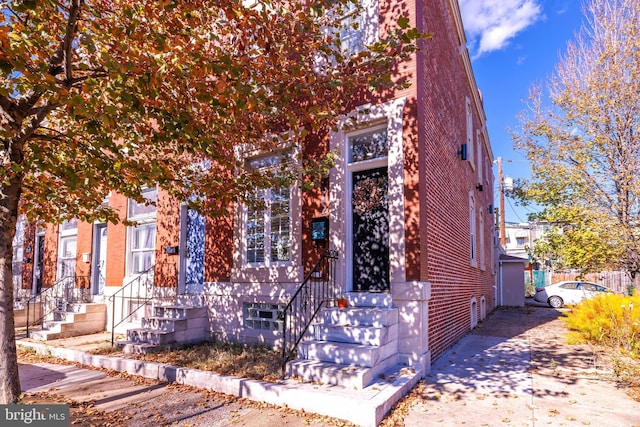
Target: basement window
(263, 316)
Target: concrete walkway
(514, 369)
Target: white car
(568, 292)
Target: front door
(38, 265)
(370, 228)
(99, 266)
(192, 250)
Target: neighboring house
(407, 210)
(520, 237)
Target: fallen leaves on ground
(82, 414)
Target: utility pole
(503, 238)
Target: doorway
(99, 266)
(370, 230)
(38, 264)
(192, 252)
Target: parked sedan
(568, 292)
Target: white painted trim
(340, 192)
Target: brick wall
(445, 183)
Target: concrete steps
(350, 346)
(77, 319)
(170, 326)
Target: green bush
(611, 319)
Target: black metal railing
(318, 289)
(65, 292)
(139, 293)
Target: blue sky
(514, 44)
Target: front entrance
(38, 264)
(99, 267)
(370, 230)
(192, 252)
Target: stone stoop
(77, 319)
(169, 327)
(353, 346)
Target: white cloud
(491, 24)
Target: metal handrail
(140, 289)
(62, 293)
(317, 289)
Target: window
(371, 145)
(470, 144)
(479, 158)
(67, 244)
(146, 209)
(359, 25)
(18, 253)
(268, 221)
(520, 241)
(67, 256)
(263, 316)
(482, 242)
(472, 231)
(141, 246)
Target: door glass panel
(370, 224)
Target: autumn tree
(111, 95)
(584, 146)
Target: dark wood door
(370, 225)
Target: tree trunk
(9, 380)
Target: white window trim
(473, 248)
(367, 117)
(482, 251)
(281, 271)
(141, 220)
(369, 17)
(470, 134)
(268, 222)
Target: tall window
(67, 248)
(358, 25)
(470, 143)
(472, 231)
(482, 242)
(142, 237)
(268, 221)
(18, 253)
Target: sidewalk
(514, 369)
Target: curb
(366, 407)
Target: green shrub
(611, 319)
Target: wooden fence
(617, 281)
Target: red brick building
(407, 210)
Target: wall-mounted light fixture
(462, 152)
(490, 209)
(479, 187)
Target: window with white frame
(268, 220)
(479, 158)
(359, 24)
(472, 231)
(470, 144)
(141, 247)
(18, 253)
(67, 248)
(482, 251)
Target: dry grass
(246, 361)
